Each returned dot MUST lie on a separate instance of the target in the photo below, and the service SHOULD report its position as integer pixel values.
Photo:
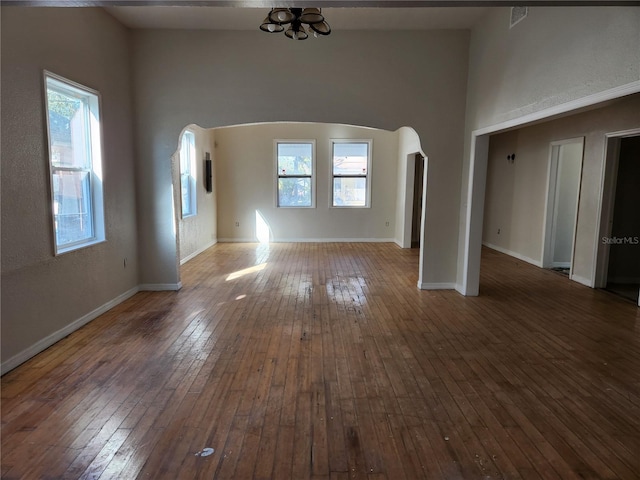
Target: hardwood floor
(324, 361)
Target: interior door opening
(565, 172)
(623, 241)
(416, 220)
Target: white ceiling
(242, 18)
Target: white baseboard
(517, 255)
(310, 240)
(159, 287)
(238, 240)
(437, 286)
(49, 340)
(198, 252)
(584, 281)
(334, 240)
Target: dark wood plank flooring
(324, 361)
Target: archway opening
(253, 163)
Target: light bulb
(294, 35)
(271, 27)
(281, 16)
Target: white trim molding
(333, 240)
(584, 281)
(517, 255)
(577, 104)
(437, 286)
(49, 340)
(159, 287)
(197, 252)
(474, 209)
(606, 203)
(311, 240)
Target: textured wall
(555, 55)
(42, 293)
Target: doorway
(416, 219)
(565, 172)
(623, 238)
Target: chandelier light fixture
(296, 18)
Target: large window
(295, 173)
(75, 156)
(188, 174)
(351, 163)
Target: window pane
(72, 206)
(185, 188)
(69, 130)
(294, 192)
(349, 192)
(188, 174)
(73, 114)
(295, 158)
(350, 158)
(187, 152)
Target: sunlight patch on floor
(246, 271)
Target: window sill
(350, 206)
(79, 246)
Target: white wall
(198, 232)
(377, 79)
(246, 184)
(555, 56)
(516, 193)
(43, 295)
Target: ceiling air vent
(517, 15)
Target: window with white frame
(75, 163)
(295, 166)
(351, 165)
(188, 174)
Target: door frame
(607, 203)
(548, 236)
(418, 197)
(472, 195)
(408, 199)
